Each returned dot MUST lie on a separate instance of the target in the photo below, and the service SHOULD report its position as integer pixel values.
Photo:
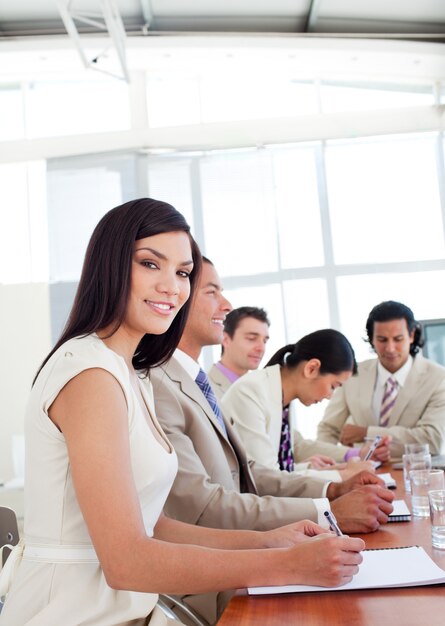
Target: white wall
(24, 342)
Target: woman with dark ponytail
(258, 403)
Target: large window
(23, 223)
(318, 234)
(316, 231)
(384, 200)
(50, 108)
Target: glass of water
(417, 448)
(423, 481)
(436, 499)
(419, 461)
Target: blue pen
(371, 450)
(333, 523)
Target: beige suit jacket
(418, 414)
(254, 403)
(216, 486)
(219, 382)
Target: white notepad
(401, 512)
(383, 568)
(389, 480)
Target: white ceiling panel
(34, 17)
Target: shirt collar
(191, 366)
(231, 376)
(400, 376)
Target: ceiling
(399, 18)
(394, 40)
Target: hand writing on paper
(381, 453)
(327, 560)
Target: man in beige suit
(415, 412)
(216, 485)
(246, 333)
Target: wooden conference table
(411, 606)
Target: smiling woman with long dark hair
(97, 547)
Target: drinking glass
(436, 499)
(423, 481)
(411, 462)
(417, 448)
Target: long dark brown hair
(104, 288)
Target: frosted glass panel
(76, 107)
(173, 100)
(235, 98)
(342, 98)
(384, 201)
(170, 181)
(23, 226)
(307, 307)
(221, 96)
(15, 253)
(11, 113)
(38, 221)
(78, 199)
(238, 205)
(422, 291)
(296, 194)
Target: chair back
(175, 609)
(9, 532)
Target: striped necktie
(203, 383)
(388, 400)
(285, 454)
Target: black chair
(176, 609)
(9, 535)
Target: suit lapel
(366, 390)
(189, 387)
(233, 446)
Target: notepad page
(400, 508)
(388, 479)
(390, 567)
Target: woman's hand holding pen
(326, 560)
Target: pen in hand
(333, 523)
(371, 450)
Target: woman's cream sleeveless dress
(59, 581)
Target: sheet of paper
(390, 567)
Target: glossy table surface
(412, 606)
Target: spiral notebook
(382, 568)
(388, 480)
(401, 512)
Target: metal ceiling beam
(107, 20)
(312, 16)
(147, 12)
